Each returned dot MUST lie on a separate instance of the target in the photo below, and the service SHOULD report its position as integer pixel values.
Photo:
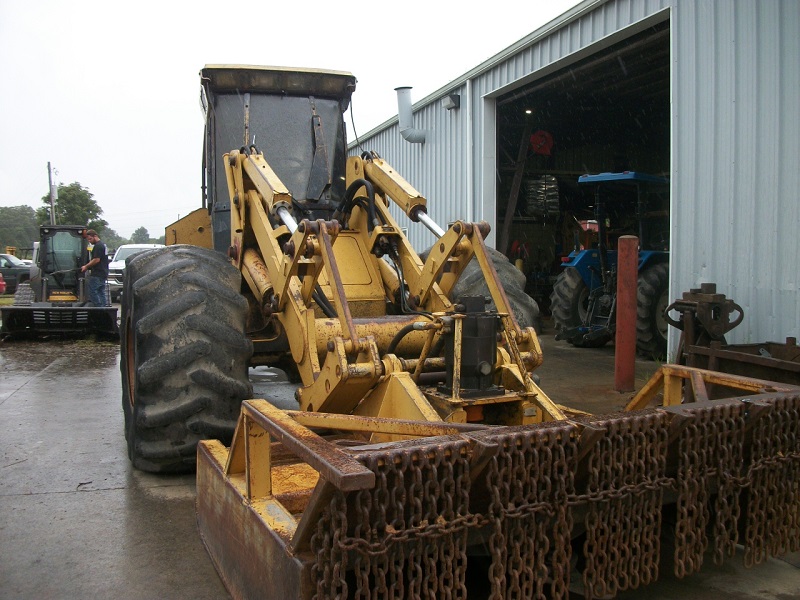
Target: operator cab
(294, 116)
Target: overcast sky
(107, 92)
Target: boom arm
(364, 336)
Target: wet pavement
(77, 521)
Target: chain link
(711, 459)
(529, 480)
(772, 524)
(409, 533)
(623, 496)
(407, 537)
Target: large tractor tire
(569, 300)
(569, 303)
(652, 299)
(473, 283)
(184, 355)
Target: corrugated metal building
(719, 81)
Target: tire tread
(184, 314)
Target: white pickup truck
(116, 268)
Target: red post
(625, 338)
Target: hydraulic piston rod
(430, 224)
(287, 218)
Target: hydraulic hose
(405, 330)
(347, 202)
(322, 301)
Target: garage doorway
(608, 112)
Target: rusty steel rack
(402, 517)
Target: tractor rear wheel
(184, 355)
(652, 299)
(569, 303)
(569, 300)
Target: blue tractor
(583, 301)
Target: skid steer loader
(421, 460)
(53, 300)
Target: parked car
(116, 268)
(14, 271)
(2, 285)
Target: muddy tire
(569, 300)
(651, 300)
(568, 305)
(184, 355)
(473, 283)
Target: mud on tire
(184, 355)
(651, 301)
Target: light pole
(53, 195)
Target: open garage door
(608, 112)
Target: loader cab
(294, 116)
(61, 251)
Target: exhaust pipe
(411, 135)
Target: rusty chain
(407, 537)
(772, 525)
(530, 480)
(710, 452)
(623, 495)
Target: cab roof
(278, 80)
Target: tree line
(74, 205)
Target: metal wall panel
(735, 142)
(454, 169)
(436, 168)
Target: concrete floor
(76, 521)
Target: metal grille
(55, 317)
